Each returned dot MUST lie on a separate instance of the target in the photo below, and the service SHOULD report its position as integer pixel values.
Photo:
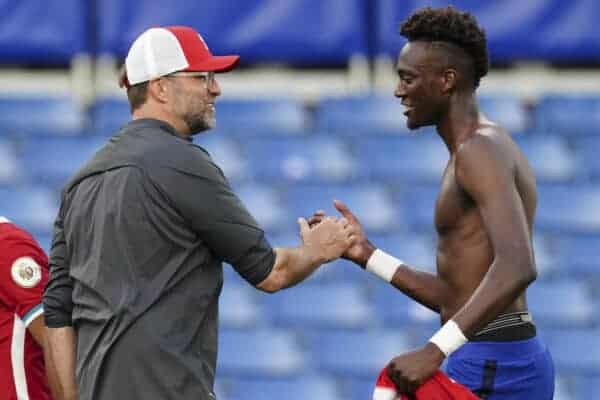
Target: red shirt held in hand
(438, 387)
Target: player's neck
(460, 121)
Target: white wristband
(383, 265)
(449, 338)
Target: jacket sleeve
(58, 303)
(205, 199)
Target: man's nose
(399, 92)
(214, 87)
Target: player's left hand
(408, 371)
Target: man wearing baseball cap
(142, 231)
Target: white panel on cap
(154, 53)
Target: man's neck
(460, 121)
(180, 126)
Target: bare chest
(453, 206)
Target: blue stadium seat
(321, 305)
(238, 307)
(300, 159)
(546, 256)
(220, 391)
(44, 240)
(226, 153)
(40, 115)
(587, 387)
(587, 149)
(109, 114)
(563, 388)
(357, 354)
(575, 351)
(371, 203)
(419, 203)
(269, 116)
(549, 157)
(579, 253)
(561, 303)
(267, 206)
(568, 114)
(505, 110)
(10, 169)
(417, 250)
(359, 115)
(405, 158)
(399, 310)
(61, 157)
(284, 239)
(302, 388)
(359, 388)
(259, 353)
(32, 208)
(568, 208)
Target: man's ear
(449, 80)
(158, 89)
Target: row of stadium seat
(276, 352)
(349, 116)
(325, 387)
(319, 158)
(363, 303)
(386, 209)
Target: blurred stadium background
(310, 117)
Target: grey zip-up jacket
(136, 265)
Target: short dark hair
(452, 26)
(136, 94)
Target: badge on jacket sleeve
(26, 272)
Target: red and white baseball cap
(164, 50)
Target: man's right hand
(362, 249)
(328, 239)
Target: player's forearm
(425, 288)
(61, 355)
(292, 266)
(502, 285)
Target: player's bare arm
(326, 241)
(423, 287)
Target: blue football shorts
(517, 370)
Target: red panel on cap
(194, 49)
(197, 53)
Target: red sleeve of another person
(23, 275)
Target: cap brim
(215, 64)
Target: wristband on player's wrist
(383, 265)
(449, 338)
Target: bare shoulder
(489, 147)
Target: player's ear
(449, 80)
